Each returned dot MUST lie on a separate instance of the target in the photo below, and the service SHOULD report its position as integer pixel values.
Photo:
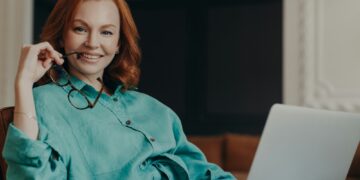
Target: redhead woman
(85, 119)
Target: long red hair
(124, 68)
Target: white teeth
(89, 56)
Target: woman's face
(94, 32)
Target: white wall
(322, 54)
(16, 30)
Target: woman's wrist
(27, 115)
(23, 83)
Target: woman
(85, 121)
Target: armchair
(6, 116)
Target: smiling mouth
(88, 56)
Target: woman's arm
(34, 61)
(186, 161)
(194, 159)
(30, 151)
(34, 159)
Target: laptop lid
(302, 143)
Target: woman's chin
(90, 72)
(86, 68)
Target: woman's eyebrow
(80, 21)
(103, 26)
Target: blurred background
(221, 65)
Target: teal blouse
(128, 135)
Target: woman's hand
(35, 61)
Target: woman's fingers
(42, 56)
(45, 49)
(35, 60)
(47, 63)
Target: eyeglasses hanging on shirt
(76, 97)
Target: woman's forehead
(98, 12)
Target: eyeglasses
(76, 97)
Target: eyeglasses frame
(73, 88)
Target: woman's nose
(92, 41)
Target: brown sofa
(235, 152)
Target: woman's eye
(107, 33)
(79, 29)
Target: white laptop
(306, 144)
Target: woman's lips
(90, 58)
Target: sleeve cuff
(20, 148)
(172, 166)
(216, 172)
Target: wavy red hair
(124, 68)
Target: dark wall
(217, 64)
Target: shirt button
(152, 139)
(143, 165)
(128, 122)
(115, 99)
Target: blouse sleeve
(189, 159)
(32, 159)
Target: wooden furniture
(6, 116)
